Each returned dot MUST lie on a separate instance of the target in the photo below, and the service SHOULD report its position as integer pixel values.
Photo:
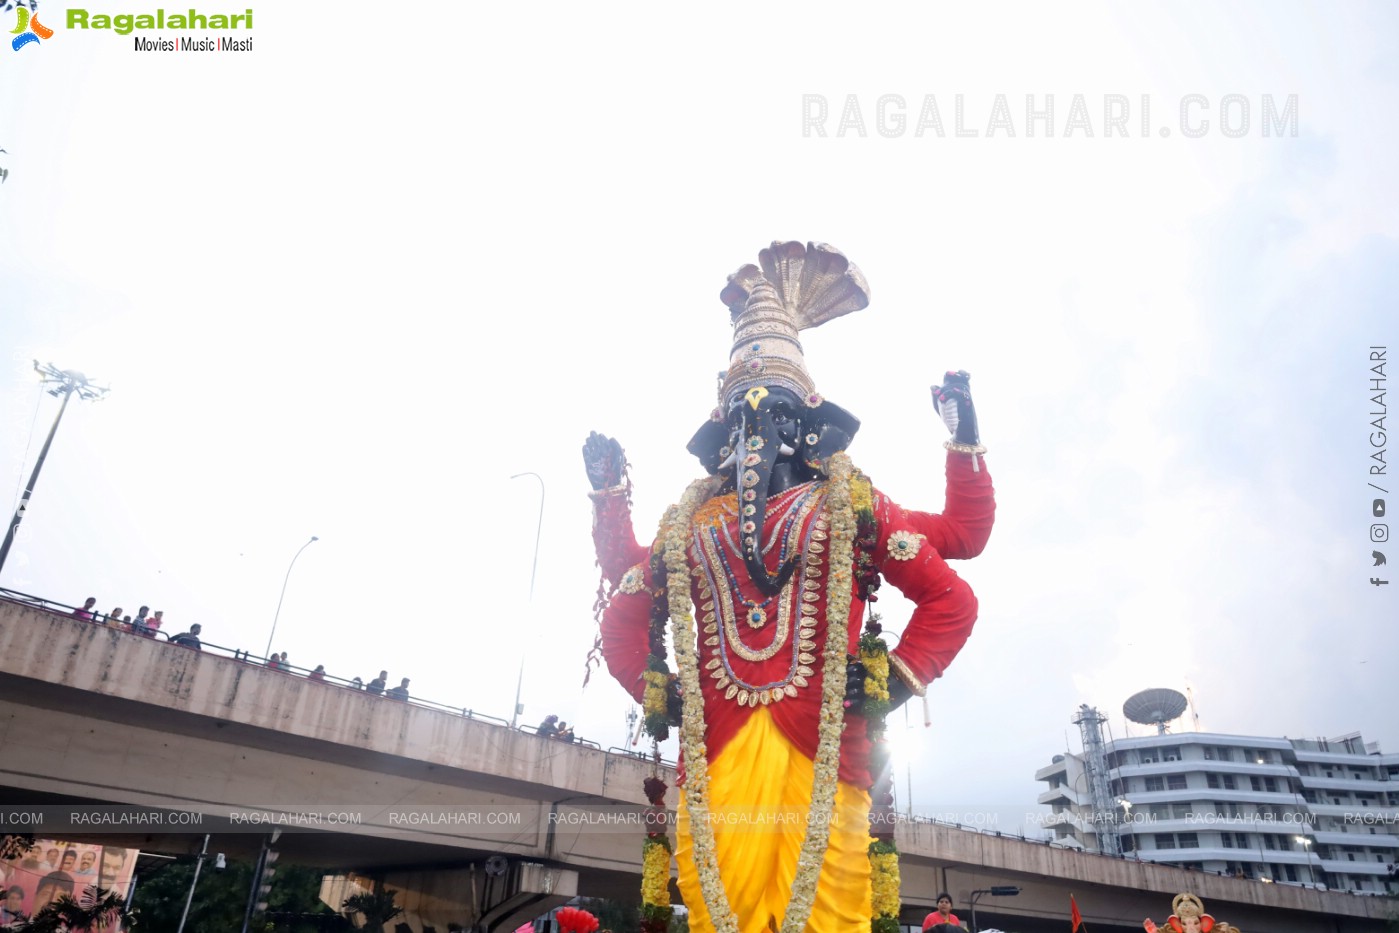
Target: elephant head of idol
(772, 429)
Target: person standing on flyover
(189, 639)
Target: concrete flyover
(114, 728)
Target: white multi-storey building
(1285, 810)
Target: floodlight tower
(65, 383)
(1095, 763)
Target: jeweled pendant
(757, 618)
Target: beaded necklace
(723, 588)
(788, 499)
(756, 616)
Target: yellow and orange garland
(874, 655)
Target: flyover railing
(244, 656)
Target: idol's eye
(781, 415)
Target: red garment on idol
(752, 643)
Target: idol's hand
(953, 401)
(603, 459)
(855, 674)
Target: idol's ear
(831, 430)
(708, 445)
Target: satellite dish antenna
(1155, 707)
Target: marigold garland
(653, 702)
(874, 655)
(655, 856)
(655, 878)
(656, 700)
(866, 537)
(884, 855)
(884, 887)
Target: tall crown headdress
(793, 287)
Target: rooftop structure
(1321, 812)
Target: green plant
(14, 845)
(100, 911)
(221, 897)
(377, 908)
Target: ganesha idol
(1188, 916)
(758, 581)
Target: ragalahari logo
(28, 30)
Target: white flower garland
(826, 765)
(839, 584)
(682, 624)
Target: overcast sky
(349, 282)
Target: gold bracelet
(972, 449)
(609, 491)
(902, 671)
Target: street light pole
(268, 650)
(1125, 825)
(69, 381)
(1307, 845)
(534, 568)
(908, 763)
(996, 890)
(189, 898)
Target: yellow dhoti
(760, 794)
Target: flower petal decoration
(904, 545)
(574, 920)
(634, 580)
